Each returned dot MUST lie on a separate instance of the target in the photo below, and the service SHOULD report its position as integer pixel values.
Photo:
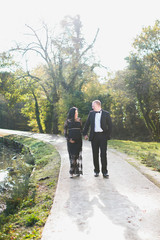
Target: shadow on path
(124, 207)
(96, 212)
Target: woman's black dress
(73, 130)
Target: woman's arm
(66, 129)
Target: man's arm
(109, 123)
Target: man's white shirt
(97, 127)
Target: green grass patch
(28, 220)
(146, 152)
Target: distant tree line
(39, 100)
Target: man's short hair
(97, 102)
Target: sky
(119, 21)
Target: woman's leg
(79, 163)
(72, 164)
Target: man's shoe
(96, 174)
(105, 175)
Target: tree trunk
(51, 121)
(148, 122)
(37, 113)
(54, 121)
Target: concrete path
(124, 207)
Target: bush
(32, 200)
(19, 192)
(31, 220)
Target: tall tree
(140, 82)
(66, 60)
(146, 62)
(147, 44)
(127, 122)
(10, 99)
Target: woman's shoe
(71, 175)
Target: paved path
(124, 207)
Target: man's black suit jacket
(106, 124)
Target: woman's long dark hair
(71, 114)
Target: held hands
(71, 141)
(85, 137)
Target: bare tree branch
(91, 45)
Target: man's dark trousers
(99, 142)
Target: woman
(73, 134)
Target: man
(100, 124)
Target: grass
(28, 220)
(147, 153)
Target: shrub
(31, 220)
(19, 192)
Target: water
(8, 161)
(15, 170)
(3, 176)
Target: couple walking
(100, 125)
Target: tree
(127, 123)
(29, 92)
(147, 44)
(145, 62)
(140, 81)
(10, 103)
(66, 60)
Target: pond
(8, 161)
(16, 165)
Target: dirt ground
(124, 207)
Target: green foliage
(143, 77)
(151, 160)
(147, 44)
(18, 193)
(68, 66)
(3, 219)
(147, 152)
(10, 97)
(31, 220)
(33, 206)
(29, 202)
(135, 98)
(18, 180)
(44, 96)
(6, 61)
